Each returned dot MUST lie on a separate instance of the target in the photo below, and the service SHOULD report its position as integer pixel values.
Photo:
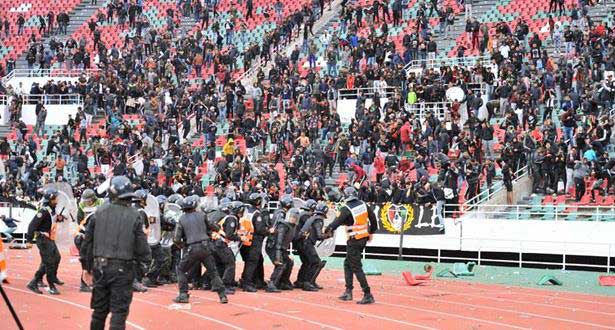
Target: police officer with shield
(139, 202)
(282, 232)
(114, 240)
(252, 231)
(360, 223)
(193, 231)
(223, 254)
(154, 236)
(306, 212)
(44, 228)
(310, 233)
(87, 206)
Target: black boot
(58, 282)
(314, 284)
(298, 284)
(149, 283)
(367, 299)
(347, 296)
(286, 286)
(272, 288)
(33, 287)
(84, 287)
(223, 298)
(229, 290)
(183, 298)
(249, 288)
(138, 287)
(53, 290)
(309, 287)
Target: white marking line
(491, 308)
(485, 286)
(155, 304)
(322, 325)
(258, 309)
(65, 302)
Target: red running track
(441, 304)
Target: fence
(545, 212)
(487, 194)
(43, 73)
(439, 109)
(369, 92)
(55, 99)
(438, 62)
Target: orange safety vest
(359, 228)
(220, 234)
(3, 272)
(246, 229)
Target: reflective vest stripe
(246, 228)
(3, 272)
(359, 228)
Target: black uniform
(298, 246)
(311, 232)
(277, 249)
(41, 228)
(193, 230)
(113, 242)
(252, 255)
(354, 247)
(223, 254)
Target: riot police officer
(154, 236)
(87, 206)
(193, 231)
(43, 227)
(310, 233)
(306, 212)
(114, 241)
(360, 223)
(252, 231)
(282, 232)
(139, 202)
(167, 228)
(224, 256)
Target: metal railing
(448, 61)
(487, 194)
(353, 93)
(46, 99)
(562, 212)
(439, 109)
(42, 73)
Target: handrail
(353, 93)
(497, 187)
(440, 109)
(540, 211)
(34, 73)
(448, 61)
(53, 99)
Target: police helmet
(286, 201)
(49, 194)
(120, 187)
(225, 205)
(309, 205)
(334, 196)
(321, 208)
(173, 199)
(88, 195)
(255, 199)
(236, 207)
(161, 199)
(350, 193)
(189, 203)
(140, 196)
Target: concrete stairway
(80, 15)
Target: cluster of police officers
(123, 250)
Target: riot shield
(67, 207)
(326, 247)
(152, 209)
(172, 213)
(298, 202)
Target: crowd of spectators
(282, 131)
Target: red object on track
(411, 280)
(606, 280)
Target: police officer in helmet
(87, 206)
(223, 254)
(307, 210)
(43, 227)
(311, 232)
(139, 202)
(282, 233)
(360, 223)
(114, 242)
(154, 236)
(253, 230)
(193, 231)
(167, 228)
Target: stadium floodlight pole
(10, 306)
(401, 239)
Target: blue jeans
(568, 134)
(332, 69)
